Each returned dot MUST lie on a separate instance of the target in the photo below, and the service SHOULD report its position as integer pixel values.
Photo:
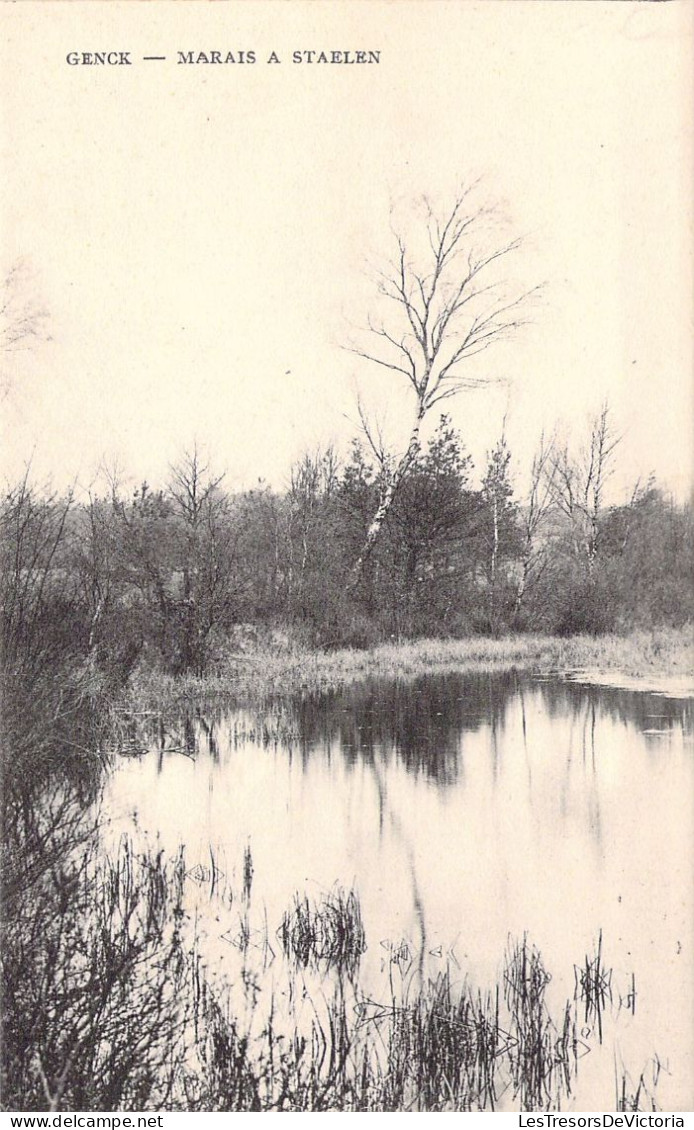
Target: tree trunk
(387, 500)
(492, 613)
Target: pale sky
(200, 235)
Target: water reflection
(462, 809)
(424, 723)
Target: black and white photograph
(346, 559)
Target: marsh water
(464, 810)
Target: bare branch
(374, 437)
(380, 361)
(191, 485)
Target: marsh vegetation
(306, 954)
(353, 943)
(115, 1005)
(298, 810)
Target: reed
(109, 1004)
(128, 1013)
(594, 987)
(328, 931)
(542, 1055)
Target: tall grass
(109, 1003)
(543, 1054)
(291, 668)
(594, 986)
(328, 931)
(441, 1045)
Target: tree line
(175, 577)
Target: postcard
(347, 540)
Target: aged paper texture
(210, 213)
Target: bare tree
(192, 486)
(97, 553)
(499, 525)
(533, 515)
(209, 556)
(578, 484)
(313, 482)
(447, 305)
(23, 321)
(36, 592)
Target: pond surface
(465, 810)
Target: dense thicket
(167, 577)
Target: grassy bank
(646, 657)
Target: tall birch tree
(446, 302)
